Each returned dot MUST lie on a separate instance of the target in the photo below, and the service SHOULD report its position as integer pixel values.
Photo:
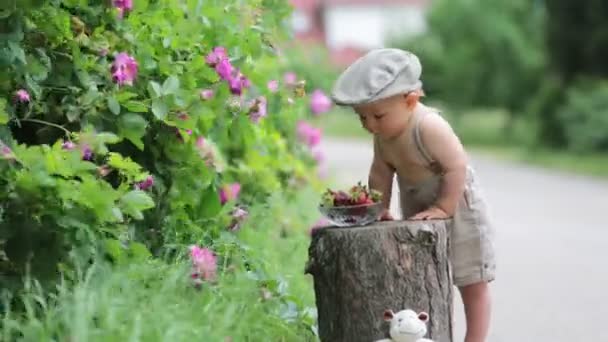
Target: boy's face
(385, 118)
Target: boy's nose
(371, 127)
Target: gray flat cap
(379, 74)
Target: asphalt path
(552, 246)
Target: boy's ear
(412, 98)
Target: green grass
(483, 132)
(595, 165)
(156, 301)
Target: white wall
(367, 26)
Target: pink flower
(258, 109)
(319, 102)
(200, 142)
(145, 184)
(234, 103)
(104, 170)
(204, 263)
(87, 153)
(238, 216)
(85, 150)
(183, 116)
(273, 86)
(205, 150)
(206, 94)
(229, 192)
(123, 6)
(6, 153)
(209, 153)
(240, 213)
(22, 96)
(124, 69)
(318, 154)
(217, 55)
(238, 82)
(224, 69)
(308, 134)
(68, 145)
(290, 78)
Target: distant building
(348, 28)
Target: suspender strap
(418, 140)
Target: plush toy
(406, 326)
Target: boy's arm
(381, 177)
(444, 146)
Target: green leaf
(138, 251)
(114, 249)
(124, 165)
(133, 127)
(113, 105)
(124, 96)
(209, 74)
(107, 138)
(17, 51)
(171, 85)
(33, 86)
(3, 114)
(118, 214)
(90, 97)
(210, 203)
(154, 89)
(136, 106)
(159, 109)
(134, 202)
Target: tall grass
(155, 300)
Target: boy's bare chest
(406, 161)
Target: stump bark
(359, 272)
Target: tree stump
(359, 272)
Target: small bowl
(352, 215)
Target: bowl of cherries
(357, 206)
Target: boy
(435, 180)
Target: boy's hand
(432, 213)
(386, 215)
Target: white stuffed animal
(406, 326)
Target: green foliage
(576, 41)
(82, 145)
(134, 302)
(577, 36)
(312, 63)
(482, 53)
(261, 293)
(585, 116)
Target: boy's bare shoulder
(433, 122)
(438, 136)
(433, 126)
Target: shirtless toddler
(413, 142)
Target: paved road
(552, 245)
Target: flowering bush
(141, 127)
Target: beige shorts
(472, 255)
